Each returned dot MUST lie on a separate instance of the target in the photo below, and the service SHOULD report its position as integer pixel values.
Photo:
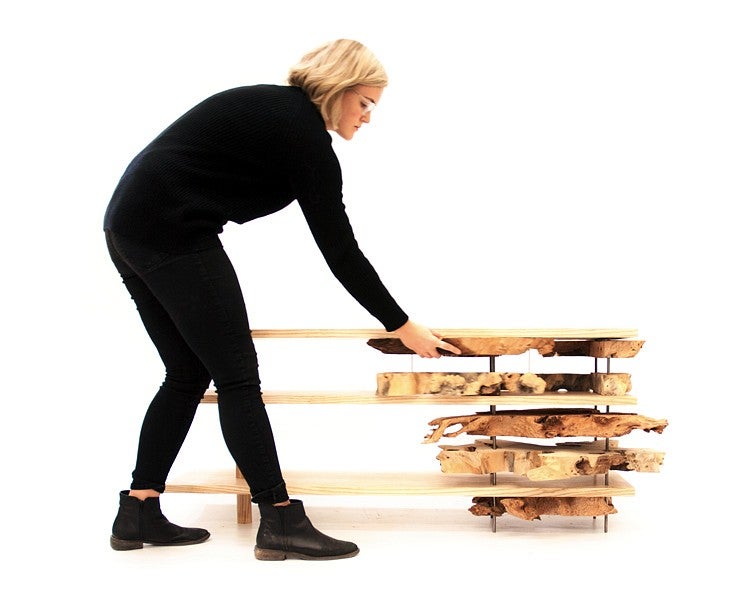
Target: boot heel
(118, 544)
(265, 554)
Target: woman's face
(356, 106)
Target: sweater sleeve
(317, 184)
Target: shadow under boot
(141, 522)
(286, 532)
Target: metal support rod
(606, 449)
(594, 484)
(493, 476)
(606, 440)
(606, 475)
(596, 408)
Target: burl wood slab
(487, 346)
(544, 463)
(597, 348)
(544, 423)
(532, 508)
(474, 346)
(492, 384)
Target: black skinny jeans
(193, 310)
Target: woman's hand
(423, 341)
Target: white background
(531, 164)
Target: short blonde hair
(328, 71)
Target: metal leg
(493, 476)
(596, 407)
(606, 442)
(606, 449)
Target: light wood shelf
(559, 333)
(342, 483)
(363, 397)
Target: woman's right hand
(423, 341)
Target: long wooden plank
(504, 399)
(559, 333)
(408, 484)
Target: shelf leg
(493, 476)
(606, 449)
(606, 475)
(244, 504)
(606, 441)
(244, 509)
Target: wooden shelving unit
(431, 483)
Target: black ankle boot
(141, 521)
(286, 532)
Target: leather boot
(286, 532)
(141, 521)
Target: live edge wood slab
(493, 383)
(501, 346)
(544, 423)
(540, 462)
(531, 508)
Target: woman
(239, 155)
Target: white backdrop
(535, 164)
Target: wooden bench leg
(244, 505)
(244, 509)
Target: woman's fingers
(449, 347)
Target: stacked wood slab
(576, 462)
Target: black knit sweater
(242, 154)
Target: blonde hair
(328, 71)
